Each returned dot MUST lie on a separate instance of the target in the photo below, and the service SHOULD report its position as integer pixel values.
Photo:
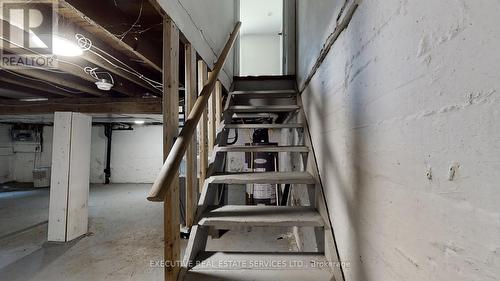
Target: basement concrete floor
(22, 210)
(125, 236)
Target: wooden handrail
(173, 161)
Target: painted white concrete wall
(409, 90)
(5, 154)
(136, 155)
(98, 155)
(260, 54)
(140, 155)
(207, 25)
(18, 166)
(22, 163)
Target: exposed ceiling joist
(111, 54)
(123, 86)
(62, 81)
(77, 17)
(36, 86)
(84, 105)
(20, 92)
(102, 63)
(72, 67)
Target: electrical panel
(26, 138)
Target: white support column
(69, 187)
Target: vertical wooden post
(171, 215)
(202, 126)
(191, 172)
(69, 188)
(218, 103)
(211, 121)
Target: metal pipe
(108, 132)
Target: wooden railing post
(202, 126)
(191, 158)
(211, 121)
(171, 215)
(218, 103)
(170, 170)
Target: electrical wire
(122, 36)
(157, 85)
(95, 74)
(36, 53)
(86, 45)
(83, 42)
(151, 82)
(147, 29)
(41, 68)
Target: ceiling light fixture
(34, 99)
(65, 48)
(104, 84)
(139, 122)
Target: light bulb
(65, 48)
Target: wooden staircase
(250, 103)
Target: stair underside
(264, 177)
(222, 266)
(263, 108)
(262, 148)
(231, 216)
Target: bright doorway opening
(261, 40)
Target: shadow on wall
(344, 173)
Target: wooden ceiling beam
(71, 66)
(121, 86)
(22, 91)
(74, 15)
(62, 81)
(83, 105)
(105, 65)
(36, 86)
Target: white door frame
(236, 48)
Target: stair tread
(263, 177)
(225, 266)
(264, 126)
(264, 94)
(243, 92)
(232, 215)
(263, 108)
(261, 148)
